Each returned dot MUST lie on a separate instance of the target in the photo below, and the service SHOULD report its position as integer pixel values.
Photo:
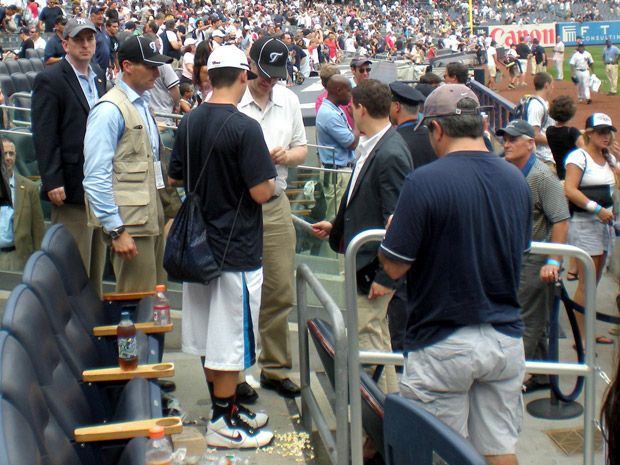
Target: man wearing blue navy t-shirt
(459, 231)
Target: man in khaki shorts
(459, 231)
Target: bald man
(333, 130)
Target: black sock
(210, 386)
(223, 406)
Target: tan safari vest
(133, 173)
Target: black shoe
(246, 393)
(531, 385)
(589, 101)
(284, 387)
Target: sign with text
(592, 33)
(505, 35)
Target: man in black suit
(383, 162)
(63, 94)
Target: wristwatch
(116, 232)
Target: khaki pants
(89, 240)
(277, 292)
(145, 270)
(374, 334)
(612, 75)
(334, 185)
(10, 261)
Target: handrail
(337, 450)
(588, 369)
(318, 168)
(303, 224)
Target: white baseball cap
(189, 41)
(218, 33)
(229, 56)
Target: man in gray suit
(382, 163)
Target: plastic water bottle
(161, 306)
(159, 449)
(127, 344)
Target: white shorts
(472, 382)
(220, 320)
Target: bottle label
(127, 347)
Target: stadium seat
(26, 160)
(41, 53)
(37, 63)
(20, 82)
(25, 65)
(3, 68)
(31, 53)
(6, 84)
(412, 435)
(78, 345)
(12, 66)
(31, 75)
(59, 244)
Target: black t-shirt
(561, 141)
(48, 16)
(240, 160)
(418, 142)
(539, 53)
(26, 44)
(523, 51)
(462, 223)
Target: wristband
(551, 261)
(597, 209)
(591, 206)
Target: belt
(7, 249)
(582, 69)
(611, 63)
(330, 166)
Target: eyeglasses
(364, 70)
(603, 131)
(33, 32)
(10, 153)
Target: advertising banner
(505, 35)
(593, 33)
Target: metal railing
(502, 108)
(588, 369)
(338, 447)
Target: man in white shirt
(558, 58)
(580, 64)
(491, 64)
(383, 162)
(537, 114)
(278, 111)
(39, 42)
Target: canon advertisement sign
(510, 34)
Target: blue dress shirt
(7, 214)
(333, 130)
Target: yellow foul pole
(471, 16)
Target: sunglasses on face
(364, 70)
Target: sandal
(570, 276)
(604, 340)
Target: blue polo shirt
(610, 55)
(462, 223)
(333, 130)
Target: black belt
(7, 249)
(337, 167)
(582, 69)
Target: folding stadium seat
(78, 345)
(26, 160)
(3, 68)
(25, 65)
(412, 435)
(31, 75)
(41, 53)
(6, 84)
(25, 319)
(12, 66)
(20, 82)
(62, 249)
(37, 63)
(58, 416)
(31, 53)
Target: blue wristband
(551, 261)
(597, 209)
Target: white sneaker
(234, 433)
(254, 419)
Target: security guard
(406, 103)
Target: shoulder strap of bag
(202, 171)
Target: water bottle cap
(156, 432)
(160, 288)
(124, 315)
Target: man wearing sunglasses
(360, 68)
(39, 42)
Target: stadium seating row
(47, 344)
(21, 65)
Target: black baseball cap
(517, 128)
(406, 94)
(141, 50)
(270, 55)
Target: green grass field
(599, 67)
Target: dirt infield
(600, 101)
